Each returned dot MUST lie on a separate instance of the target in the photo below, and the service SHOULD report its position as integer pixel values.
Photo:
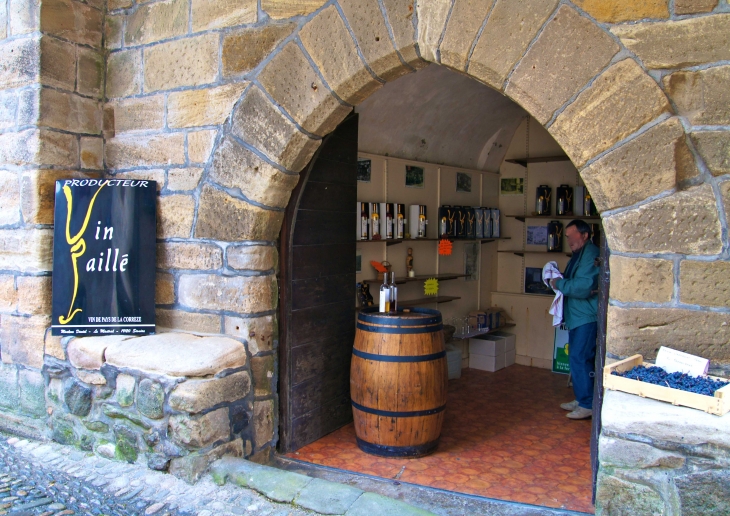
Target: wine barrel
(398, 382)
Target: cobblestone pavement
(50, 479)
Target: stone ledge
(624, 414)
(172, 354)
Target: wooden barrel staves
(398, 382)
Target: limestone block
(570, 51)
(200, 145)
(88, 352)
(34, 294)
(294, 85)
(704, 283)
(333, 50)
(258, 332)
(685, 222)
(23, 16)
(281, 9)
(259, 123)
(236, 167)
(262, 370)
(26, 250)
(184, 62)
(164, 289)
(184, 179)
(369, 28)
(200, 431)
(263, 418)
(505, 38)
(242, 294)
(91, 153)
(694, 6)
(9, 197)
(399, 14)
(464, 23)
(183, 255)
(191, 467)
(70, 112)
(616, 104)
(9, 396)
(252, 257)
(89, 72)
(714, 147)
(20, 64)
(73, 21)
(221, 217)
(431, 23)
(703, 96)
(244, 49)
(156, 21)
(114, 31)
(135, 114)
(8, 107)
(617, 11)
(617, 496)
(178, 354)
(215, 14)
(191, 322)
(651, 163)
(123, 76)
(31, 388)
(209, 106)
(145, 150)
(680, 43)
(197, 395)
(175, 216)
(8, 293)
(704, 492)
(644, 330)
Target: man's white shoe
(570, 406)
(580, 413)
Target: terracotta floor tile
(504, 436)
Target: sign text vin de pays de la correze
(104, 257)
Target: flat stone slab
(177, 354)
(371, 504)
(625, 413)
(275, 484)
(88, 352)
(328, 497)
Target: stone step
(315, 494)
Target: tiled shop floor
(504, 436)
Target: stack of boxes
(492, 352)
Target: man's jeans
(582, 358)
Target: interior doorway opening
(504, 434)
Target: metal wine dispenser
(417, 220)
(564, 200)
(555, 237)
(542, 200)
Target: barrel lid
(414, 317)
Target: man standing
(579, 286)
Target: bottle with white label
(400, 221)
(422, 222)
(393, 294)
(364, 220)
(389, 220)
(374, 221)
(384, 306)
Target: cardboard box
(478, 318)
(509, 338)
(510, 357)
(487, 345)
(487, 363)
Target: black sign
(104, 257)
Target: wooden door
(604, 281)
(317, 293)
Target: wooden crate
(718, 405)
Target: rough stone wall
(223, 103)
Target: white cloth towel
(549, 272)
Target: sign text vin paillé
(104, 257)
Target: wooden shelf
(545, 159)
(423, 277)
(522, 253)
(391, 241)
(522, 218)
(426, 301)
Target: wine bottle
(401, 221)
(422, 222)
(363, 221)
(374, 221)
(389, 220)
(384, 306)
(393, 294)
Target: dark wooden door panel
(317, 281)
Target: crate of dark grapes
(633, 375)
